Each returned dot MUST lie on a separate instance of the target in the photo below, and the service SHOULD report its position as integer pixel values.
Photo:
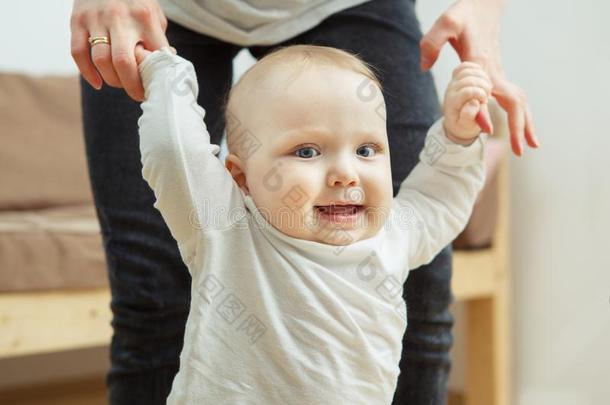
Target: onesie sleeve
(193, 189)
(438, 196)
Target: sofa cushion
(51, 248)
(42, 158)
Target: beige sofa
(49, 234)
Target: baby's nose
(343, 176)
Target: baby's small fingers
(469, 111)
(471, 72)
(141, 53)
(465, 66)
(473, 81)
(467, 93)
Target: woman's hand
(125, 23)
(472, 28)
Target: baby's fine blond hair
(298, 57)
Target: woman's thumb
(433, 41)
(483, 119)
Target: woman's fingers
(101, 53)
(153, 38)
(516, 123)
(125, 23)
(529, 129)
(516, 119)
(80, 50)
(520, 125)
(445, 28)
(124, 61)
(483, 119)
(162, 18)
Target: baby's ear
(235, 166)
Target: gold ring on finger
(98, 40)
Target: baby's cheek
(285, 195)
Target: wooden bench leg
(479, 352)
(488, 367)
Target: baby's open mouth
(338, 209)
(345, 215)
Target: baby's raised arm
(193, 189)
(438, 195)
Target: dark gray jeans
(150, 284)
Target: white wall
(557, 52)
(35, 36)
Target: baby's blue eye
(370, 147)
(308, 155)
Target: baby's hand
(142, 53)
(465, 104)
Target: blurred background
(558, 201)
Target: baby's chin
(349, 237)
(336, 235)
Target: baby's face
(323, 142)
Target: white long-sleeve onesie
(276, 319)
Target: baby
(298, 259)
